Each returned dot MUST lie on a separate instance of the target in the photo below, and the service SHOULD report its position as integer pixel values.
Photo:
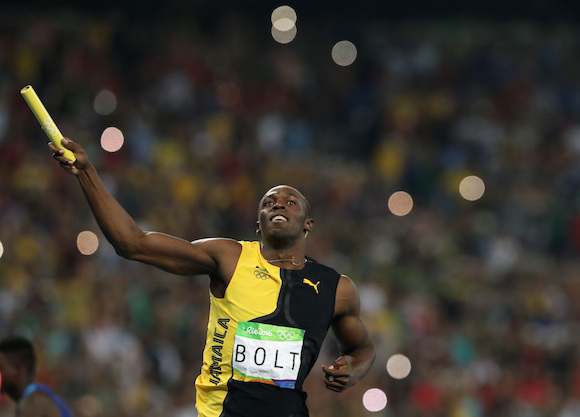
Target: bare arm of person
(357, 350)
(215, 257)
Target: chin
(280, 235)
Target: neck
(292, 261)
(289, 258)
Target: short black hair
(20, 351)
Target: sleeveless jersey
(64, 411)
(263, 338)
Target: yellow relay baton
(46, 122)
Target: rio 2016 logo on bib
(268, 354)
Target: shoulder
(323, 269)
(347, 297)
(250, 244)
(38, 403)
(346, 287)
(217, 241)
(218, 245)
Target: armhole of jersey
(242, 254)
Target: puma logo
(313, 285)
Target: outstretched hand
(73, 167)
(339, 376)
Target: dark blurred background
(482, 296)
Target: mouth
(279, 218)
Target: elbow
(368, 352)
(126, 250)
(123, 252)
(129, 246)
(369, 355)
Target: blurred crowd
(482, 296)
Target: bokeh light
(286, 36)
(285, 13)
(344, 53)
(400, 203)
(1, 249)
(87, 242)
(105, 103)
(398, 366)
(112, 139)
(284, 24)
(472, 188)
(374, 400)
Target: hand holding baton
(46, 122)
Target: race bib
(268, 354)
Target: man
(271, 306)
(18, 369)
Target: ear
(258, 231)
(308, 226)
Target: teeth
(282, 218)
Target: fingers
(69, 144)
(58, 155)
(336, 378)
(339, 362)
(66, 143)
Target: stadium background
(482, 296)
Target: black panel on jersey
(308, 306)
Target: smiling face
(283, 215)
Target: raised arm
(216, 257)
(357, 350)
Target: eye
(292, 202)
(268, 203)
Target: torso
(264, 336)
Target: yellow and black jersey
(263, 338)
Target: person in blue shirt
(18, 370)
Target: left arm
(357, 350)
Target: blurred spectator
(482, 296)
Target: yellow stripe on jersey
(252, 292)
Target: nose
(279, 206)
